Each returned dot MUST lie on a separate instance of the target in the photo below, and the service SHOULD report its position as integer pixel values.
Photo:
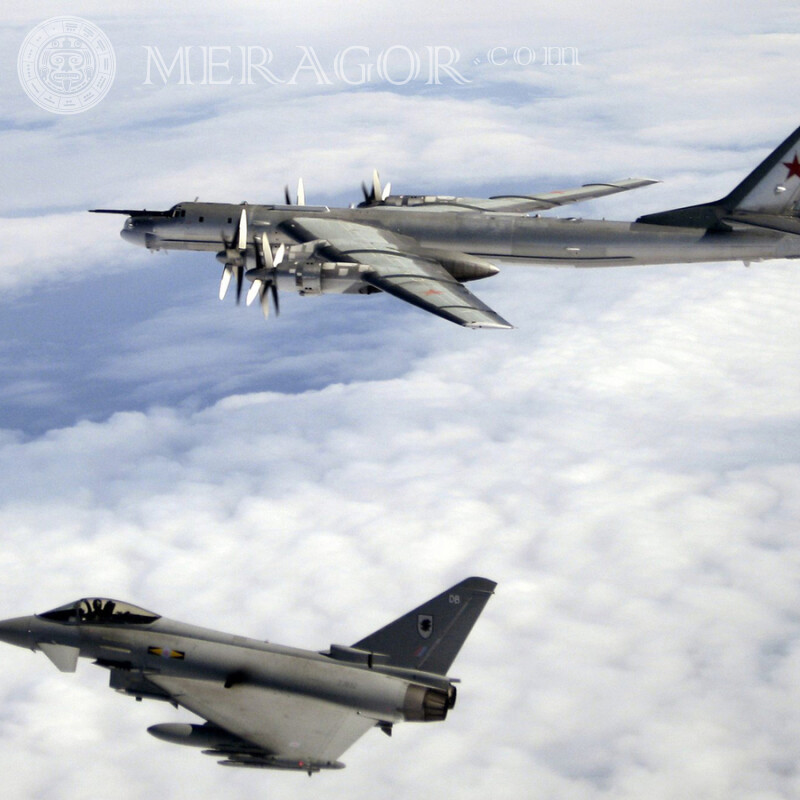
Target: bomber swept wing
(518, 204)
(396, 265)
(400, 266)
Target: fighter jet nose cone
(16, 631)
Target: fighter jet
(423, 248)
(266, 706)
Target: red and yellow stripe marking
(165, 652)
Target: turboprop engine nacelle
(326, 277)
(310, 276)
(462, 266)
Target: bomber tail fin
(768, 197)
(429, 637)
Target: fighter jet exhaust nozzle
(423, 704)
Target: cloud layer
(624, 463)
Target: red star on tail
(793, 167)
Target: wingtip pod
(631, 183)
(505, 326)
(481, 318)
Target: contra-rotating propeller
(374, 194)
(301, 194)
(265, 275)
(233, 258)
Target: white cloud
(636, 519)
(52, 248)
(624, 463)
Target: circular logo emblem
(66, 65)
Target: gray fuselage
(205, 654)
(503, 238)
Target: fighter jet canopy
(100, 610)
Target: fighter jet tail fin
(768, 197)
(429, 637)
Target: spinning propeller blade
(374, 194)
(239, 281)
(267, 281)
(301, 194)
(225, 282)
(233, 259)
(243, 230)
(376, 185)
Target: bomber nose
(134, 233)
(16, 631)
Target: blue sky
(624, 463)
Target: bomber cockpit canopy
(99, 611)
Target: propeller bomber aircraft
(423, 248)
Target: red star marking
(793, 167)
(431, 291)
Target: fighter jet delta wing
(398, 266)
(265, 705)
(288, 728)
(260, 726)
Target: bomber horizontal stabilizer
(769, 197)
